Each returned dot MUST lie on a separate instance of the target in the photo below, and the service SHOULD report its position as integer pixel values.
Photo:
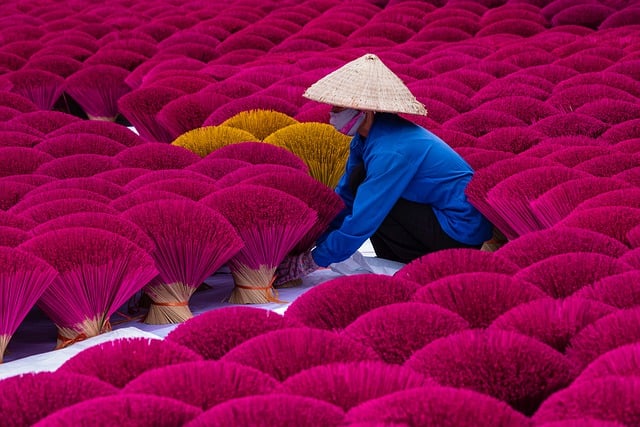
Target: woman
(403, 187)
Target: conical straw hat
(365, 84)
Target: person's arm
(343, 189)
(388, 174)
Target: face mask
(347, 121)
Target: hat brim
(365, 84)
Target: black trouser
(409, 231)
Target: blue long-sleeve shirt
(402, 160)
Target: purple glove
(295, 267)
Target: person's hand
(294, 267)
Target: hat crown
(365, 83)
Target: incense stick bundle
(98, 272)
(192, 242)
(270, 222)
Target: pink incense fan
(154, 156)
(191, 382)
(336, 303)
(80, 143)
(271, 223)
(552, 321)
(136, 197)
(618, 290)
(111, 130)
(478, 297)
(28, 398)
(494, 362)
(323, 199)
(614, 399)
(23, 279)
(98, 272)
(609, 332)
(271, 409)
(427, 406)
(121, 360)
(153, 176)
(348, 384)
(41, 87)
(113, 223)
(21, 160)
(78, 166)
(11, 192)
(134, 410)
(260, 153)
(286, 352)
(396, 331)
(44, 121)
(97, 89)
(141, 106)
(213, 333)
(620, 362)
(192, 242)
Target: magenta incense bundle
(432, 404)
(620, 362)
(561, 275)
(12, 192)
(265, 410)
(141, 106)
(21, 160)
(43, 88)
(270, 222)
(45, 121)
(436, 265)
(137, 197)
(28, 398)
(552, 321)
(285, 352)
(260, 152)
(118, 362)
(45, 211)
(315, 194)
(78, 166)
(213, 333)
(97, 88)
(80, 143)
(241, 174)
(12, 237)
(23, 279)
(103, 221)
(203, 384)
(96, 185)
(478, 297)
(57, 194)
(217, 168)
(396, 331)
(191, 241)
(334, 304)
(124, 409)
(472, 359)
(613, 399)
(110, 130)
(618, 290)
(605, 334)
(153, 176)
(98, 272)
(349, 384)
(154, 156)
(539, 245)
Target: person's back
(438, 175)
